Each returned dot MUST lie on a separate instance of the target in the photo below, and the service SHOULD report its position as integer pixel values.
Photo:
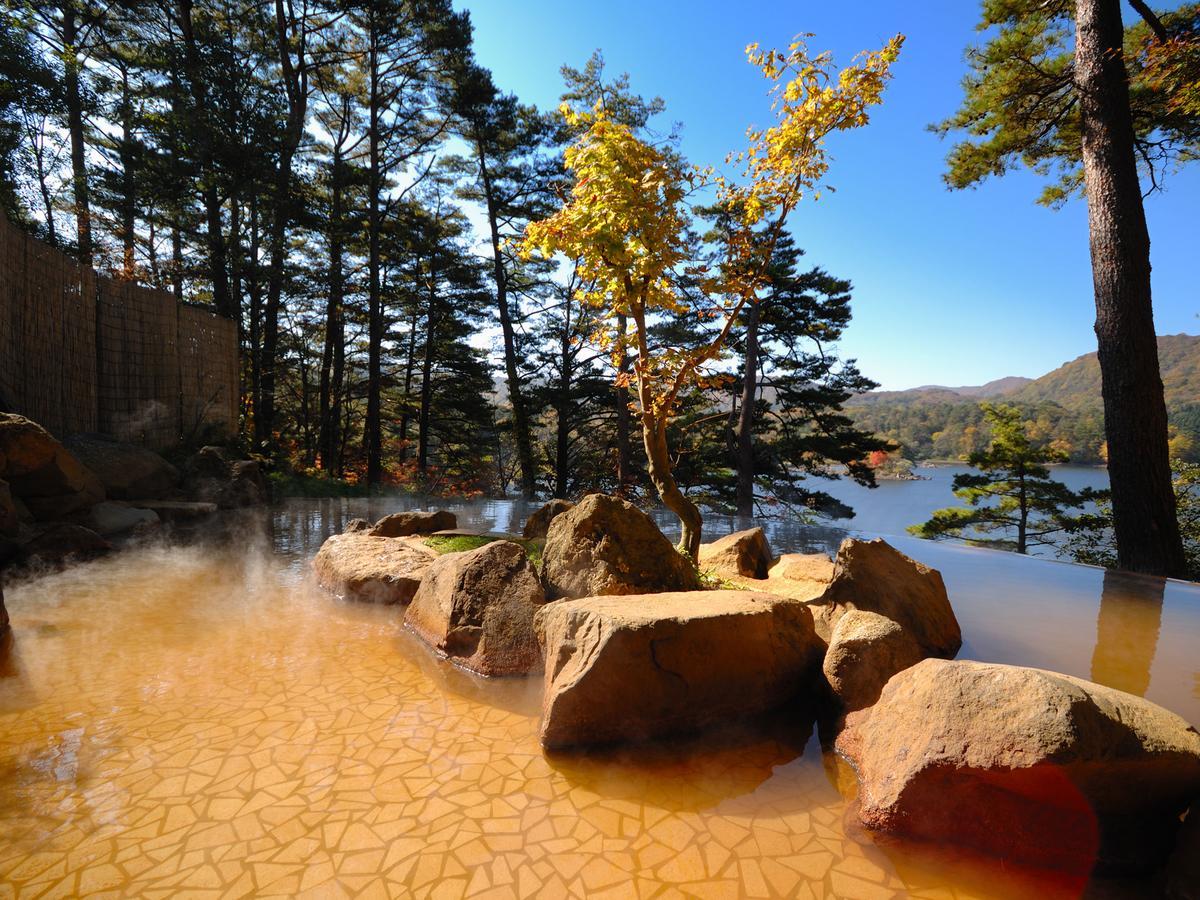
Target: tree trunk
(373, 427)
(426, 382)
(658, 457)
(128, 183)
(562, 443)
(74, 102)
(624, 454)
(1135, 418)
(327, 414)
(745, 434)
(521, 428)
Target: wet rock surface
(538, 524)
(403, 524)
(1183, 869)
(361, 566)
(110, 518)
(606, 546)
(865, 650)
(477, 609)
(743, 553)
(635, 668)
(49, 480)
(1023, 764)
(875, 577)
(63, 542)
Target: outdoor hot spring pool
(204, 721)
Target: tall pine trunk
(621, 399)
(334, 332)
(1135, 417)
(521, 429)
(73, 97)
(423, 417)
(745, 433)
(562, 441)
(373, 427)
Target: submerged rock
(372, 569)
(875, 577)
(539, 523)
(865, 650)
(640, 667)
(477, 608)
(128, 472)
(743, 553)
(1024, 764)
(403, 524)
(605, 546)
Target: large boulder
(641, 667)
(3, 611)
(477, 609)
(865, 650)
(47, 477)
(10, 520)
(109, 518)
(744, 553)
(875, 577)
(538, 524)
(213, 475)
(1183, 869)
(372, 569)
(403, 524)
(128, 472)
(1025, 764)
(62, 542)
(607, 546)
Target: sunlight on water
(204, 719)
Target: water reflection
(1127, 630)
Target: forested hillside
(1063, 407)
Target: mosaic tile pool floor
(185, 724)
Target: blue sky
(950, 287)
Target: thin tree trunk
(658, 457)
(624, 450)
(745, 434)
(373, 428)
(426, 383)
(562, 443)
(1135, 419)
(409, 367)
(74, 102)
(128, 183)
(333, 318)
(521, 429)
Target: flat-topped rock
(476, 608)
(179, 510)
(403, 524)
(110, 518)
(814, 567)
(361, 566)
(1025, 764)
(605, 546)
(743, 553)
(63, 541)
(634, 668)
(876, 577)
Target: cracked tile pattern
(188, 723)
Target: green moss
(461, 542)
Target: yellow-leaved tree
(626, 224)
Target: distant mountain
(936, 422)
(1073, 385)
